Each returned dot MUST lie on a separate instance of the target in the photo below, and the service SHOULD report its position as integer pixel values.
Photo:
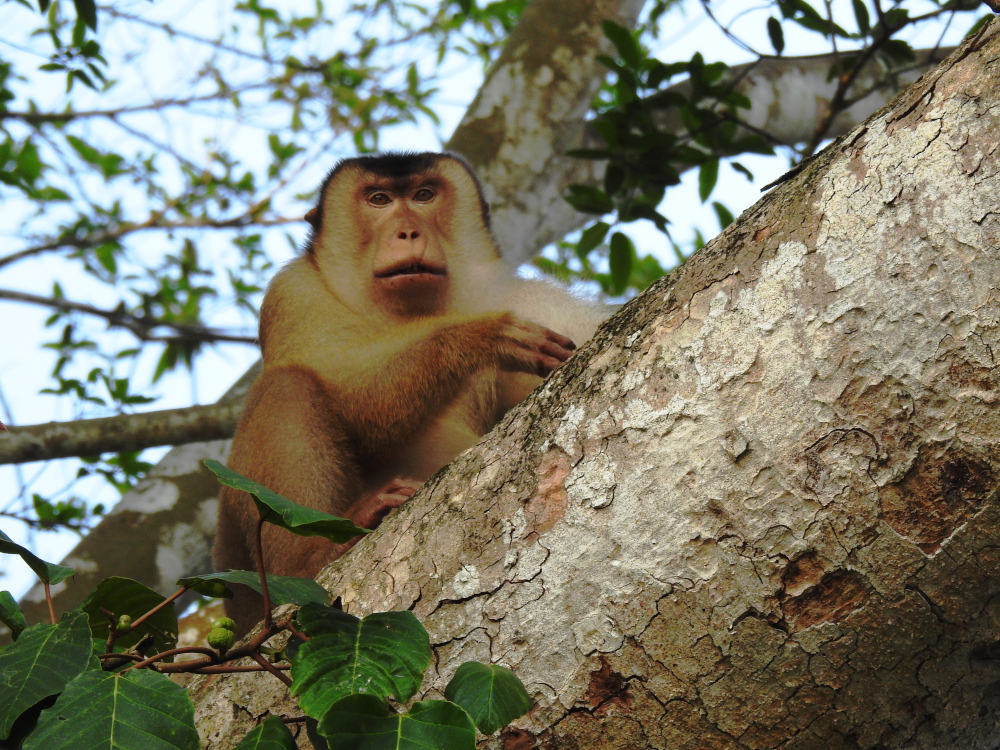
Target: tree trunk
(760, 509)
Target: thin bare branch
(156, 222)
(140, 327)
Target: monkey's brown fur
(397, 340)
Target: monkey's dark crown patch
(393, 163)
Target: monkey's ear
(312, 218)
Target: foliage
(95, 663)
(645, 153)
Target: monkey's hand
(531, 348)
(368, 512)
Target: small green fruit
(224, 622)
(221, 638)
(124, 624)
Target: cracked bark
(760, 509)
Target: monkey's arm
(394, 385)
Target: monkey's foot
(369, 511)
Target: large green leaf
(11, 615)
(492, 695)
(364, 722)
(283, 589)
(123, 596)
(134, 710)
(48, 572)
(284, 513)
(384, 654)
(620, 261)
(272, 734)
(40, 663)
(625, 44)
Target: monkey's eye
(423, 195)
(379, 199)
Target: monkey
(395, 341)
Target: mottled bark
(760, 509)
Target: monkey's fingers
(556, 350)
(558, 338)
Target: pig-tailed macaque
(393, 343)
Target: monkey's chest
(455, 429)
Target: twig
(268, 622)
(48, 599)
(155, 221)
(159, 606)
(137, 326)
(256, 656)
(211, 653)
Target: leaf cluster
(97, 676)
(656, 119)
(643, 155)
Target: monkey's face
(399, 243)
(409, 266)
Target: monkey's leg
(290, 439)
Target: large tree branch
(127, 432)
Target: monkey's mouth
(411, 269)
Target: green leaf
(364, 721)
(708, 175)
(106, 257)
(272, 734)
(385, 654)
(491, 695)
(40, 663)
(86, 11)
(28, 163)
(592, 237)
(87, 152)
(136, 709)
(283, 589)
(285, 514)
(589, 200)
(626, 45)
(742, 170)
(861, 16)
(776, 34)
(11, 614)
(620, 262)
(48, 572)
(123, 596)
(724, 214)
(980, 22)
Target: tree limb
(126, 432)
